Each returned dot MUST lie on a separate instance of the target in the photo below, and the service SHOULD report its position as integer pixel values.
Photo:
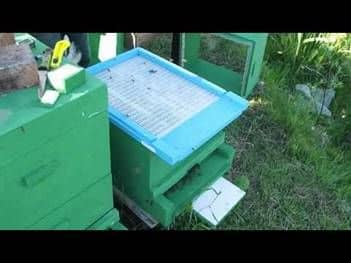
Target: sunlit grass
(298, 165)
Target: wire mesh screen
(153, 97)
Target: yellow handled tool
(58, 52)
(51, 60)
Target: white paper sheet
(216, 202)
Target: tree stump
(18, 68)
(7, 39)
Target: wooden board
(7, 39)
(18, 68)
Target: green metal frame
(242, 84)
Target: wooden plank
(7, 39)
(18, 68)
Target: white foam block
(50, 97)
(216, 202)
(58, 77)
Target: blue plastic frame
(193, 133)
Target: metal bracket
(139, 212)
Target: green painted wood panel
(38, 182)
(82, 210)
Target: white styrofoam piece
(58, 76)
(49, 97)
(107, 47)
(216, 202)
(152, 96)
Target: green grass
(161, 45)
(296, 165)
(211, 50)
(284, 192)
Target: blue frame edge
(190, 135)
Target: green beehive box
(167, 143)
(55, 167)
(231, 60)
(161, 189)
(83, 210)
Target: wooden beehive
(18, 68)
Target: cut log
(7, 39)
(18, 68)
